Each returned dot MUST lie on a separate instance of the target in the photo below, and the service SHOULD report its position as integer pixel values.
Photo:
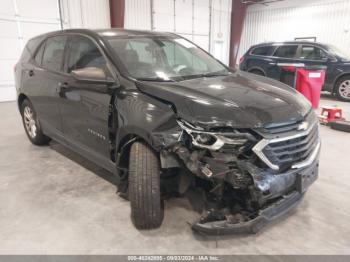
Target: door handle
(31, 72)
(62, 86)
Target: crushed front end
(247, 177)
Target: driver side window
(312, 53)
(84, 53)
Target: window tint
(53, 53)
(286, 51)
(84, 53)
(39, 55)
(312, 53)
(263, 50)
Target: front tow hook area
(265, 216)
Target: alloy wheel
(29, 121)
(344, 89)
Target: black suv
(169, 120)
(267, 60)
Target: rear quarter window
(263, 50)
(30, 48)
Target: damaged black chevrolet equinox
(170, 120)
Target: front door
(85, 105)
(43, 81)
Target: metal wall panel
(205, 22)
(85, 13)
(137, 14)
(19, 21)
(220, 29)
(329, 21)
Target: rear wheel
(31, 124)
(342, 89)
(144, 187)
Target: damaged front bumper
(269, 213)
(265, 216)
(240, 190)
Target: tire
(31, 124)
(340, 126)
(144, 187)
(257, 72)
(342, 89)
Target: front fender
(147, 117)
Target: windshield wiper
(216, 74)
(155, 79)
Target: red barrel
(309, 82)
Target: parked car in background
(265, 59)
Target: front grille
(295, 150)
(284, 145)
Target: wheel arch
(256, 68)
(123, 145)
(20, 99)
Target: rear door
(284, 56)
(259, 59)
(43, 80)
(85, 105)
(312, 55)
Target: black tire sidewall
(337, 87)
(150, 195)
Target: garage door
(19, 21)
(188, 18)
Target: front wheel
(31, 124)
(342, 89)
(144, 187)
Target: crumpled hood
(238, 100)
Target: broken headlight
(212, 140)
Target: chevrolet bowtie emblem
(303, 126)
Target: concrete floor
(54, 202)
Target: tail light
(241, 60)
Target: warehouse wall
(85, 13)
(205, 22)
(138, 14)
(327, 20)
(20, 20)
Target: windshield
(164, 59)
(343, 54)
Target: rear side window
(53, 53)
(84, 53)
(312, 53)
(39, 55)
(263, 50)
(286, 51)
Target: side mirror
(93, 75)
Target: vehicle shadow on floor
(87, 164)
(182, 204)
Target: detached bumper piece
(267, 215)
